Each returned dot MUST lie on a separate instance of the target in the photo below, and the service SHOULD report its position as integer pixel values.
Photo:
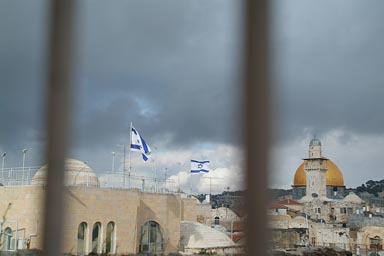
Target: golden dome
(334, 177)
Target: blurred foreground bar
(58, 117)
(256, 123)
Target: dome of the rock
(334, 176)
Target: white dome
(353, 198)
(195, 235)
(77, 173)
(315, 142)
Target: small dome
(195, 235)
(353, 198)
(334, 176)
(315, 142)
(77, 173)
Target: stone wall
(288, 238)
(300, 192)
(364, 235)
(329, 235)
(129, 209)
(22, 208)
(165, 209)
(336, 211)
(92, 205)
(359, 221)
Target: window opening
(375, 243)
(151, 239)
(82, 238)
(8, 234)
(96, 237)
(111, 238)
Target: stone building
(98, 219)
(335, 187)
(328, 217)
(201, 239)
(317, 203)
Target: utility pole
(124, 170)
(24, 154)
(124, 167)
(165, 178)
(2, 165)
(113, 161)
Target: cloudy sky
(328, 59)
(173, 68)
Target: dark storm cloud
(22, 60)
(171, 67)
(328, 59)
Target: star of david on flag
(139, 144)
(199, 166)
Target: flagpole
(130, 158)
(124, 166)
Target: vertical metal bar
(125, 175)
(58, 116)
(113, 162)
(130, 154)
(256, 123)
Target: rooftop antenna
(24, 154)
(2, 165)
(113, 161)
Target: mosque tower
(315, 167)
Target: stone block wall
(129, 209)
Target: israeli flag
(139, 144)
(199, 166)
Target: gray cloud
(328, 61)
(171, 67)
(22, 66)
(177, 65)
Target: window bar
(58, 116)
(256, 120)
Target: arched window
(82, 235)
(217, 220)
(111, 238)
(8, 245)
(151, 239)
(96, 238)
(376, 243)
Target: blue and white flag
(139, 144)
(199, 166)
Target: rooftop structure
(328, 181)
(78, 173)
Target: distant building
(324, 215)
(334, 179)
(277, 209)
(99, 219)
